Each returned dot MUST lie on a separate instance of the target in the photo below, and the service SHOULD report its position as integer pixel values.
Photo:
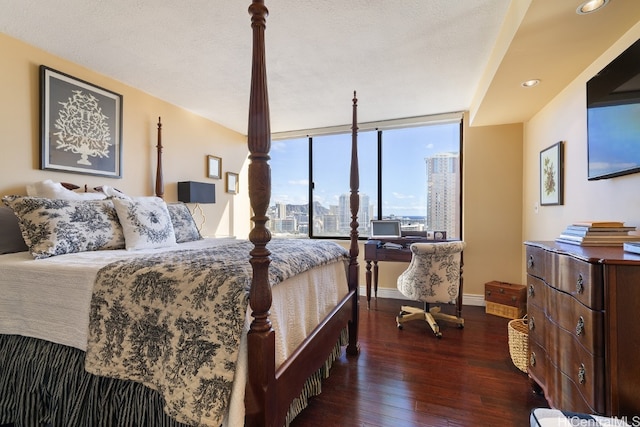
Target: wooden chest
(584, 332)
(505, 299)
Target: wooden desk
(375, 251)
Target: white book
(633, 247)
(604, 238)
(580, 243)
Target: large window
(411, 174)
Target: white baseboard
(467, 299)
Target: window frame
(379, 127)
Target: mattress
(49, 299)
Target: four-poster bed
(268, 392)
(274, 381)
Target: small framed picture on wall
(551, 171)
(214, 167)
(232, 183)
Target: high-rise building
(443, 193)
(282, 210)
(344, 213)
(330, 223)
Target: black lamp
(197, 192)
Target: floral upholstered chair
(434, 276)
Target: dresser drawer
(585, 325)
(585, 370)
(581, 279)
(537, 364)
(536, 292)
(537, 325)
(569, 396)
(537, 260)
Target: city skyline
(335, 220)
(404, 154)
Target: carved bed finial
(159, 177)
(354, 201)
(260, 396)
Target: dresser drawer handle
(530, 262)
(532, 290)
(532, 323)
(580, 284)
(580, 326)
(532, 359)
(582, 374)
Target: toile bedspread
(173, 321)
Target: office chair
(434, 276)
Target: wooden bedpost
(159, 177)
(354, 269)
(260, 394)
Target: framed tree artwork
(551, 175)
(80, 126)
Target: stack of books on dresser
(598, 233)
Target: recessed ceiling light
(591, 6)
(531, 83)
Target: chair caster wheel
(460, 326)
(438, 335)
(400, 326)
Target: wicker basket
(518, 345)
(504, 310)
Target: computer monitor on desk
(385, 229)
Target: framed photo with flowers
(80, 126)
(551, 175)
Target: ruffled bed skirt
(43, 383)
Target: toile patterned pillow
(184, 226)
(55, 226)
(146, 222)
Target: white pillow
(54, 190)
(146, 222)
(112, 192)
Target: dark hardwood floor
(411, 378)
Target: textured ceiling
(405, 58)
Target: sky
(404, 170)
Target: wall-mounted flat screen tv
(613, 117)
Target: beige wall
(492, 205)
(565, 119)
(187, 139)
(501, 187)
(492, 161)
(492, 212)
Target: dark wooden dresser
(583, 306)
